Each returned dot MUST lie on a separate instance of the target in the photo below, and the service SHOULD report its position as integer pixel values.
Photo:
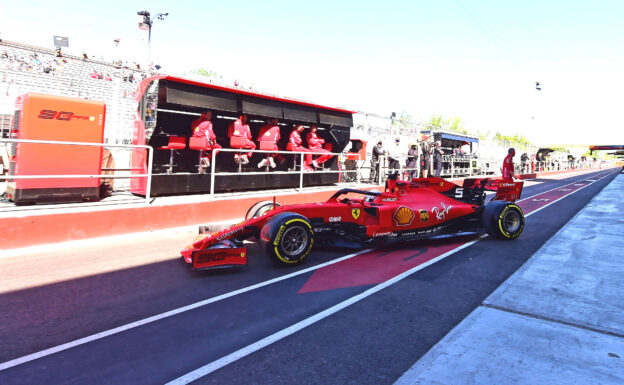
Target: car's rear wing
(506, 189)
(509, 191)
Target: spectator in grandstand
(58, 52)
(412, 160)
(240, 129)
(425, 158)
(204, 130)
(315, 143)
(4, 55)
(508, 166)
(378, 151)
(437, 158)
(294, 144)
(268, 136)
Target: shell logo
(424, 215)
(404, 216)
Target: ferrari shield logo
(355, 213)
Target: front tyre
(503, 220)
(288, 238)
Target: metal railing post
(358, 177)
(301, 171)
(212, 173)
(150, 162)
(382, 160)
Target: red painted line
(375, 267)
(378, 266)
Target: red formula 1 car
(413, 210)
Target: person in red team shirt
(508, 166)
(294, 144)
(240, 128)
(316, 145)
(202, 128)
(270, 133)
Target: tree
(204, 72)
(436, 122)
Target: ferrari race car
(405, 211)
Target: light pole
(145, 23)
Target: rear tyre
(287, 238)
(503, 220)
(260, 208)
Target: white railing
(483, 167)
(73, 176)
(301, 171)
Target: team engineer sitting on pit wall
(202, 128)
(315, 143)
(294, 144)
(239, 128)
(270, 134)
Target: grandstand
(25, 68)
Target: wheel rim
(294, 241)
(511, 221)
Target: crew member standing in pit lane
(376, 158)
(315, 143)
(240, 128)
(508, 166)
(294, 144)
(270, 133)
(412, 160)
(204, 130)
(425, 157)
(437, 158)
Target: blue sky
(477, 60)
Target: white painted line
(223, 361)
(576, 183)
(97, 336)
(568, 194)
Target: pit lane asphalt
(372, 341)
